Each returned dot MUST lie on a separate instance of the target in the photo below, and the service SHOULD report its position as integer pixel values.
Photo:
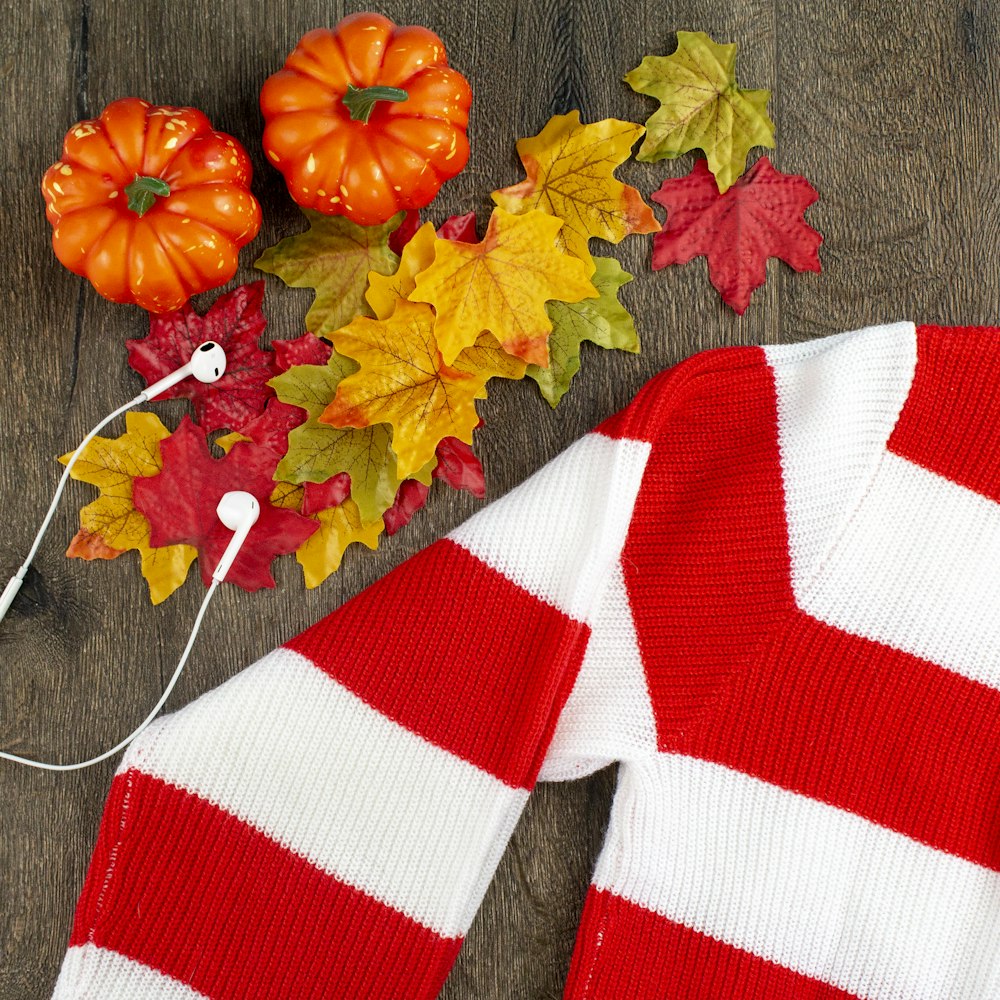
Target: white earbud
(238, 511)
(207, 364)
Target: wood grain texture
(891, 111)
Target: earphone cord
(149, 718)
(14, 585)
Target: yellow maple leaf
(404, 381)
(702, 107)
(385, 290)
(501, 284)
(570, 174)
(111, 464)
(323, 551)
(317, 451)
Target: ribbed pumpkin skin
(400, 157)
(188, 241)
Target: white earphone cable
(149, 718)
(14, 584)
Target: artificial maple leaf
(458, 466)
(701, 107)
(385, 290)
(761, 216)
(268, 431)
(501, 284)
(234, 321)
(411, 497)
(180, 503)
(322, 553)
(318, 451)
(87, 545)
(460, 228)
(402, 234)
(604, 321)
(570, 174)
(403, 381)
(112, 465)
(305, 350)
(320, 496)
(333, 257)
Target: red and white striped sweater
(769, 587)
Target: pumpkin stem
(143, 191)
(359, 101)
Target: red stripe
(950, 422)
(871, 729)
(454, 651)
(201, 896)
(625, 951)
(706, 560)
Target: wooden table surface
(890, 110)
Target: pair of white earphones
(237, 510)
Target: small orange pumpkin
(366, 118)
(150, 204)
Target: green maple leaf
(333, 257)
(318, 451)
(603, 321)
(701, 107)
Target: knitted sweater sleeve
(326, 822)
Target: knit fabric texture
(767, 588)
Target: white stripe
(294, 753)
(91, 972)
(557, 532)
(838, 399)
(801, 883)
(608, 715)
(917, 570)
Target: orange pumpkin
(366, 118)
(150, 204)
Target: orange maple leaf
(404, 381)
(501, 284)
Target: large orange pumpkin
(366, 118)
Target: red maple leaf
(236, 322)
(410, 497)
(270, 430)
(760, 216)
(459, 228)
(400, 236)
(180, 505)
(458, 466)
(305, 350)
(320, 496)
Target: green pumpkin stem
(359, 101)
(143, 192)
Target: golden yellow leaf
(570, 174)
(322, 552)
(111, 465)
(318, 451)
(502, 284)
(702, 107)
(385, 290)
(403, 381)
